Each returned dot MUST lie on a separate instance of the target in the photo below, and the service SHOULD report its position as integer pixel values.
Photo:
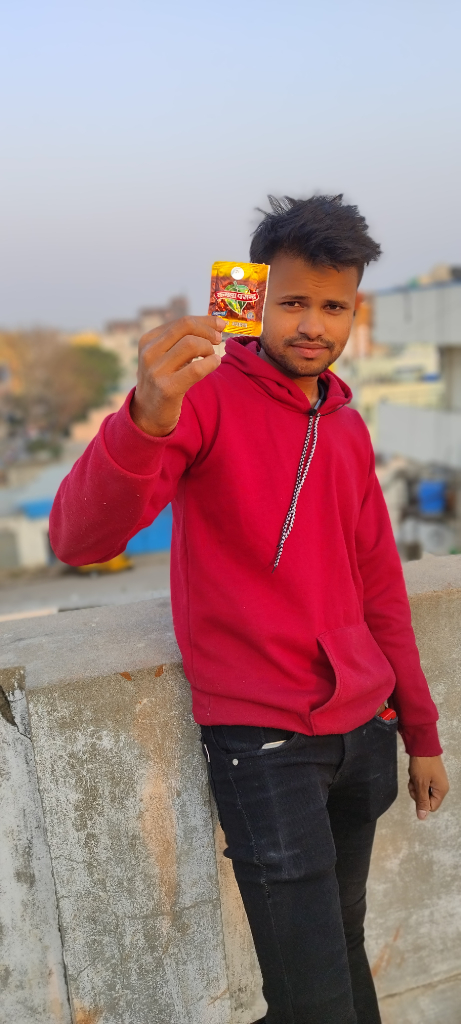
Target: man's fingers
(171, 359)
(196, 371)
(435, 798)
(163, 338)
(419, 791)
(182, 353)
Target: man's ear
(358, 301)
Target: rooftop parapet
(113, 856)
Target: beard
(284, 356)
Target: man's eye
(291, 303)
(334, 305)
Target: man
(288, 598)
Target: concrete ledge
(432, 574)
(152, 929)
(90, 642)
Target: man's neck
(309, 385)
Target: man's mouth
(309, 350)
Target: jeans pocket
(247, 739)
(390, 723)
(274, 743)
(383, 782)
(366, 785)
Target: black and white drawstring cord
(303, 470)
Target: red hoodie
(315, 645)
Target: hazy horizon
(139, 141)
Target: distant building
(426, 313)
(379, 372)
(11, 369)
(85, 430)
(430, 315)
(151, 318)
(442, 272)
(85, 339)
(24, 521)
(122, 336)
(24, 512)
(415, 393)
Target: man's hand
(428, 784)
(166, 369)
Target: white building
(430, 315)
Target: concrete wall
(405, 316)
(32, 982)
(427, 435)
(127, 888)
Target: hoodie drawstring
(303, 470)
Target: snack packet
(238, 292)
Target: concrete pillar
(32, 981)
(450, 369)
(130, 833)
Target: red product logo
(238, 296)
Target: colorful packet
(238, 292)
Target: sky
(139, 138)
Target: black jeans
(299, 820)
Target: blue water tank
(432, 497)
(156, 537)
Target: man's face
(307, 316)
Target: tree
(51, 383)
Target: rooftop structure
(122, 336)
(414, 314)
(117, 903)
(426, 314)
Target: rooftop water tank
(432, 497)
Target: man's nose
(311, 324)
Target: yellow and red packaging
(238, 294)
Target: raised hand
(166, 369)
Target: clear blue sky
(138, 138)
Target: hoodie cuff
(131, 448)
(421, 740)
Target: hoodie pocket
(364, 678)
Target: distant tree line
(47, 384)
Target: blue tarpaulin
(156, 537)
(37, 509)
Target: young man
(288, 598)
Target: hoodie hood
(243, 355)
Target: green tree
(54, 383)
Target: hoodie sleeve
(119, 485)
(387, 614)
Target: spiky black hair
(321, 230)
